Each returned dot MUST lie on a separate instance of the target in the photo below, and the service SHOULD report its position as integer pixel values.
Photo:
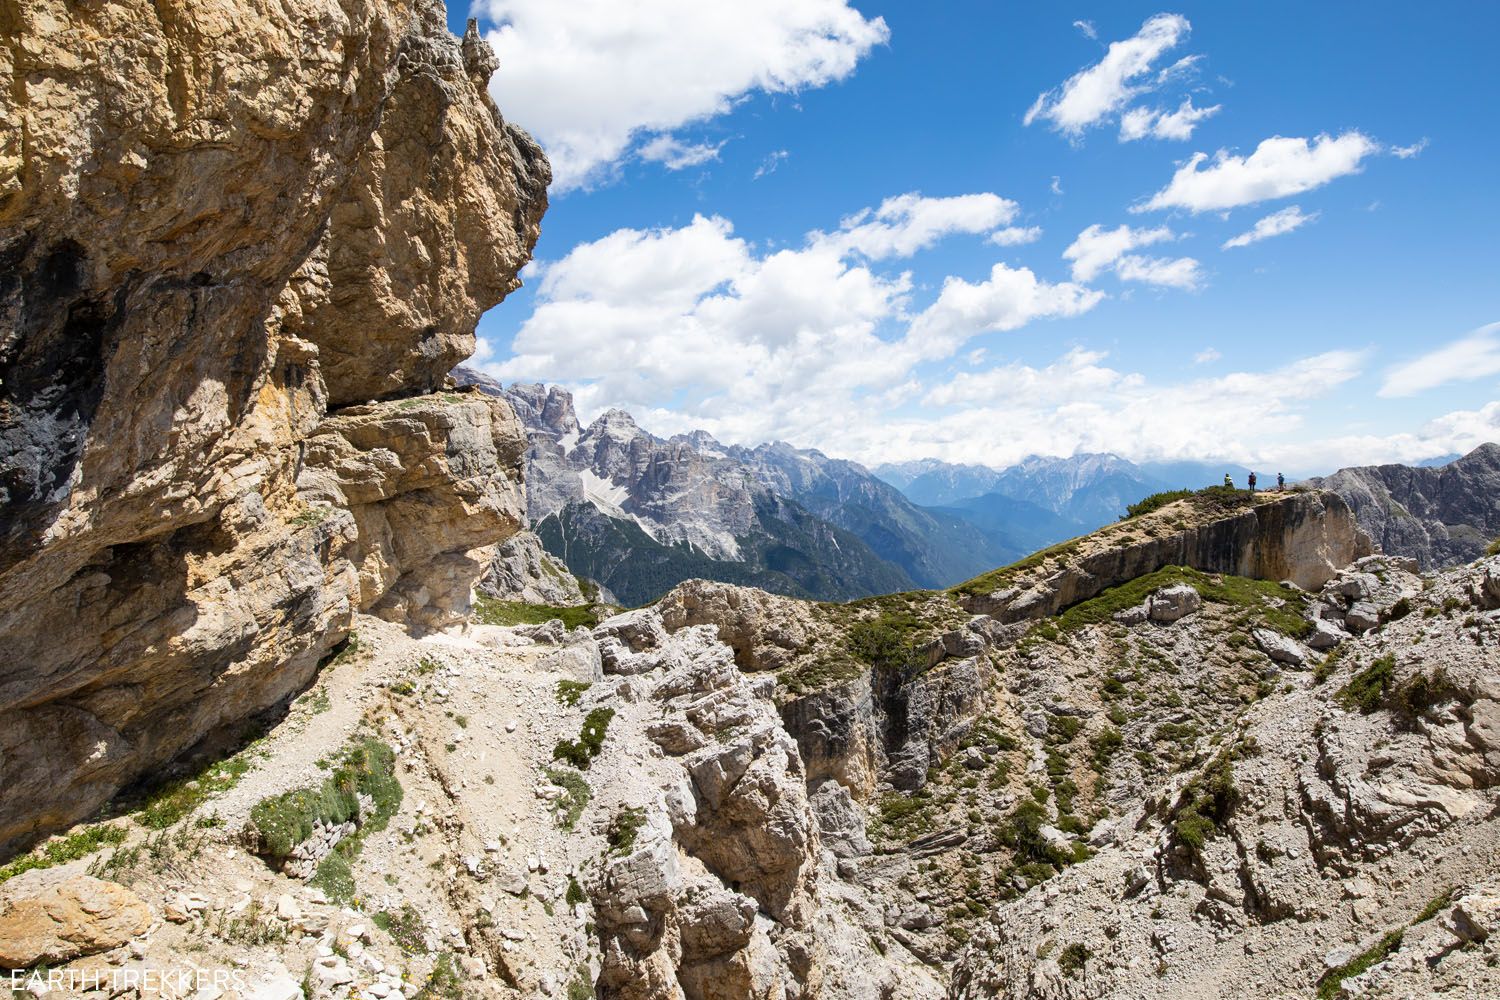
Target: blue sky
(705, 262)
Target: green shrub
(568, 692)
(1367, 689)
(1417, 696)
(575, 893)
(889, 640)
(624, 828)
(1493, 549)
(1208, 801)
(582, 751)
(1073, 958)
(1062, 728)
(576, 795)
(1155, 501)
(1104, 746)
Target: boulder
(1325, 634)
(1170, 604)
(1362, 616)
(1279, 647)
(48, 920)
(1490, 584)
(637, 630)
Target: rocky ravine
(241, 246)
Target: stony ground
(1192, 785)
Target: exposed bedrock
(225, 224)
(1302, 537)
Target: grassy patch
(624, 828)
(1208, 801)
(405, 928)
(1274, 606)
(280, 823)
(1367, 689)
(445, 982)
(1332, 983)
(1493, 549)
(582, 751)
(60, 852)
(492, 611)
(176, 799)
(576, 795)
(818, 672)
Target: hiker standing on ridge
(1252, 482)
(1228, 483)
(1280, 481)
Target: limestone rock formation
(45, 919)
(521, 570)
(226, 223)
(1439, 516)
(1302, 537)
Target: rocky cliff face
(226, 224)
(1439, 516)
(1301, 537)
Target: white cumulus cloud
(1097, 250)
(1278, 168)
(1143, 123)
(1475, 355)
(694, 326)
(674, 154)
(1014, 236)
(1100, 91)
(589, 77)
(907, 223)
(1275, 224)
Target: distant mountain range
(639, 513)
(1082, 492)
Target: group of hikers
(1280, 482)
